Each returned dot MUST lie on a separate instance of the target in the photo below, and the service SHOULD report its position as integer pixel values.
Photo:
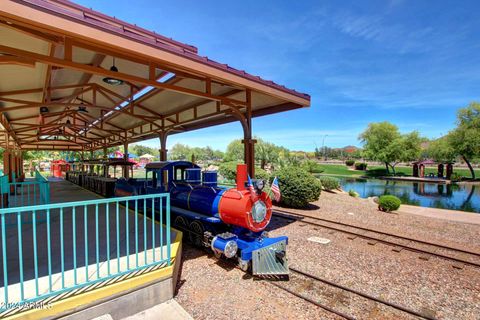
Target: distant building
(350, 149)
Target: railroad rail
(347, 289)
(381, 237)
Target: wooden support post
(163, 145)
(249, 143)
(125, 157)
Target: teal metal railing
(24, 193)
(44, 186)
(79, 244)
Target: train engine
(229, 221)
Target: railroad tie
(397, 249)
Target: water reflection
(465, 197)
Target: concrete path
(452, 215)
(169, 310)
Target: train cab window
(178, 174)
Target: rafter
(119, 75)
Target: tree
(441, 150)
(266, 153)
(180, 152)
(140, 150)
(234, 151)
(383, 142)
(465, 138)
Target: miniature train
(231, 222)
(94, 174)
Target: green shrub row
(350, 162)
(360, 166)
(329, 183)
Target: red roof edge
(99, 20)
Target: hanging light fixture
(81, 106)
(110, 80)
(68, 123)
(43, 110)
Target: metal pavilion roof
(54, 56)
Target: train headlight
(259, 211)
(230, 249)
(225, 243)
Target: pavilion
(419, 168)
(75, 79)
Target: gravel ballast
(209, 289)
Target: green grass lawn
(375, 171)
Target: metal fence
(78, 244)
(24, 193)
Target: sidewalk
(169, 310)
(452, 215)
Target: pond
(465, 197)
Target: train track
(385, 238)
(345, 289)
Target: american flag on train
(253, 193)
(276, 190)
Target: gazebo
(419, 168)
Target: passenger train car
(229, 221)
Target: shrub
(388, 203)
(228, 170)
(360, 166)
(353, 193)
(312, 166)
(298, 187)
(329, 183)
(456, 177)
(350, 162)
(261, 174)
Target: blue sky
(413, 63)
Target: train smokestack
(241, 176)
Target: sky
(410, 62)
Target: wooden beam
(23, 91)
(119, 75)
(19, 61)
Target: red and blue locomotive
(229, 221)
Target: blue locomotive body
(229, 221)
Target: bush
(388, 203)
(360, 166)
(456, 177)
(353, 193)
(329, 183)
(298, 187)
(350, 162)
(261, 174)
(228, 170)
(312, 166)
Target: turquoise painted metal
(24, 193)
(57, 263)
